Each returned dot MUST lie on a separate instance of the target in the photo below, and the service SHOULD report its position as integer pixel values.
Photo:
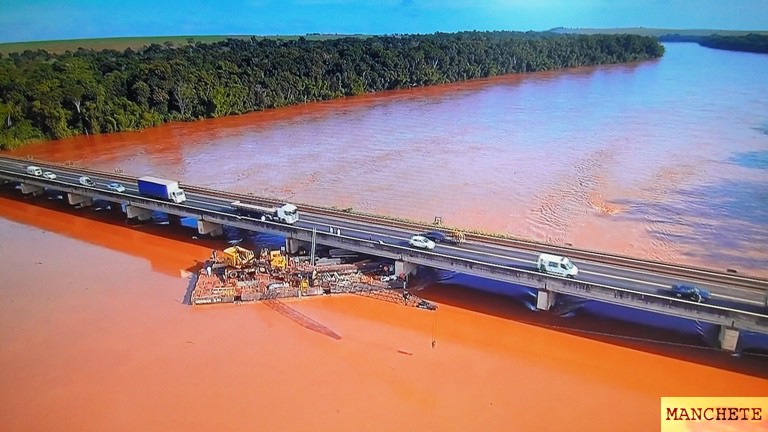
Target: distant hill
(642, 31)
(120, 44)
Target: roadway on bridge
(600, 273)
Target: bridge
(739, 302)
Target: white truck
(161, 188)
(556, 265)
(287, 213)
(37, 171)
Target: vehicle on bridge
(287, 213)
(161, 188)
(117, 187)
(49, 175)
(37, 171)
(690, 292)
(421, 242)
(556, 265)
(455, 237)
(86, 181)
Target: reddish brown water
(643, 159)
(646, 160)
(96, 338)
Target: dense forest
(47, 96)
(753, 42)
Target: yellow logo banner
(726, 414)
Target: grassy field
(120, 44)
(642, 31)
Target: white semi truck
(287, 213)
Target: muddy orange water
(648, 160)
(94, 337)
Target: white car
(49, 175)
(86, 181)
(421, 242)
(117, 187)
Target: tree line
(52, 96)
(752, 42)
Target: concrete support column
(31, 189)
(205, 227)
(404, 268)
(82, 201)
(545, 299)
(292, 245)
(137, 212)
(729, 338)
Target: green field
(642, 31)
(120, 44)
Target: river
(664, 159)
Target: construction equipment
(237, 256)
(277, 261)
(239, 262)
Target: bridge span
(740, 303)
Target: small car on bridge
(690, 292)
(117, 187)
(421, 242)
(49, 175)
(86, 181)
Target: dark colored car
(690, 292)
(438, 237)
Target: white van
(34, 170)
(556, 265)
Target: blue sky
(26, 20)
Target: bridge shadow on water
(650, 332)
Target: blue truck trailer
(161, 188)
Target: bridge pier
(729, 338)
(137, 212)
(545, 299)
(31, 189)
(404, 268)
(292, 245)
(82, 201)
(205, 227)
